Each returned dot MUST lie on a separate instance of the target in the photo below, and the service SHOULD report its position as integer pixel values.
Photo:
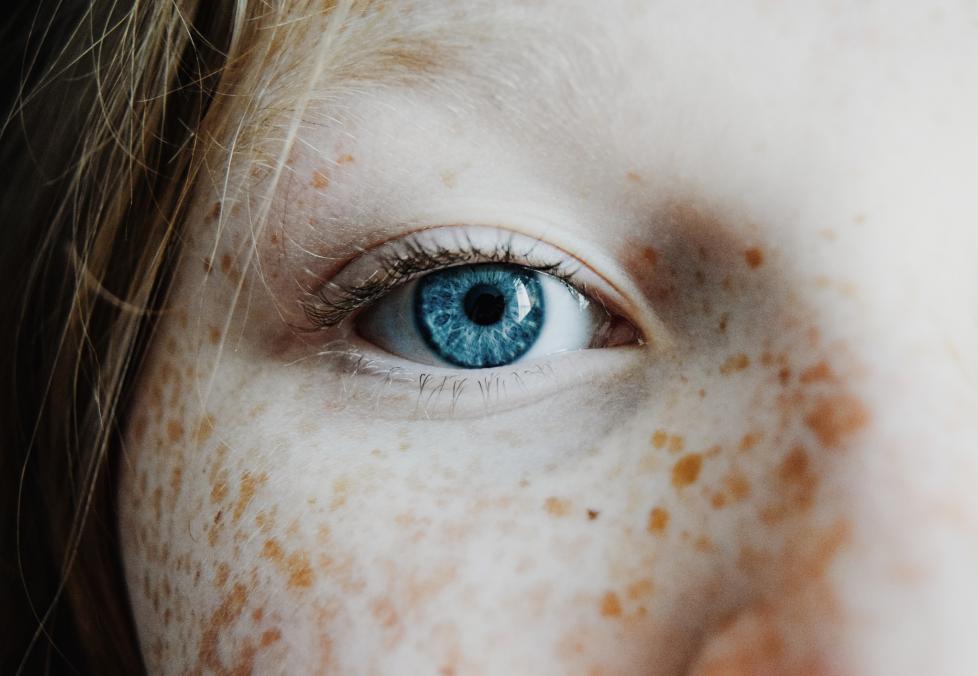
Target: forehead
(629, 79)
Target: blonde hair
(100, 147)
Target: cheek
(256, 534)
(182, 508)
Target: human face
(769, 468)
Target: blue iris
(480, 316)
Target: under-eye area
(469, 313)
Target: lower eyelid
(379, 385)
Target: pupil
(484, 304)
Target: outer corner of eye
(488, 315)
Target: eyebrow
(490, 49)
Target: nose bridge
(878, 576)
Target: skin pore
(779, 480)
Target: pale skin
(778, 480)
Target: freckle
(834, 418)
(223, 571)
(724, 320)
(225, 615)
(640, 589)
(658, 520)
(257, 614)
(754, 257)
(737, 485)
(702, 393)
(820, 372)
(340, 489)
(139, 429)
(557, 506)
(750, 440)
(735, 363)
(718, 501)
(592, 514)
(676, 444)
(794, 468)
(703, 544)
(269, 637)
(271, 550)
(610, 605)
(300, 572)
(633, 177)
(686, 470)
(827, 546)
(226, 261)
(175, 477)
(784, 375)
(385, 613)
(651, 255)
(205, 427)
(320, 179)
(344, 159)
(219, 490)
(828, 233)
(214, 335)
(660, 439)
(158, 503)
(246, 492)
(208, 265)
(214, 213)
(174, 430)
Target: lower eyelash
(436, 395)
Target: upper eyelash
(334, 302)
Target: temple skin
(780, 480)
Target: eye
(483, 316)
(469, 297)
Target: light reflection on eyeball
(483, 316)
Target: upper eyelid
(333, 301)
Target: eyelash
(334, 301)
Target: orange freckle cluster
(295, 566)
(820, 372)
(320, 179)
(834, 418)
(754, 257)
(174, 430)
(661, 439)
(734, 364)
(610, 605)
(658, 520)
(557, 506)
(687, 470)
